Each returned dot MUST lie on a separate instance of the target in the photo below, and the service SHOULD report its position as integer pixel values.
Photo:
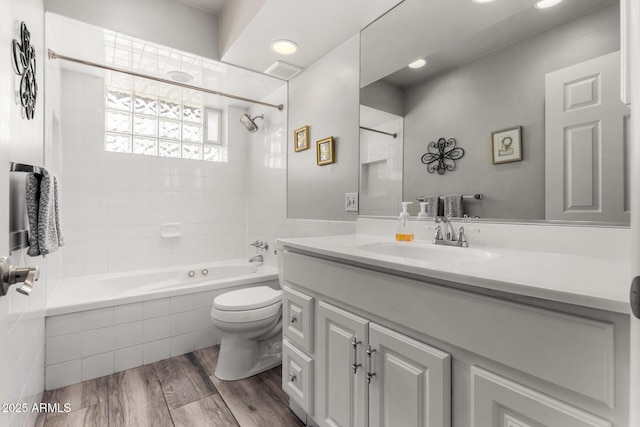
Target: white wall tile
(206, 338)
(128, 334)
(158, 307)
(157, 328)
(205, 299)
(63, 348)
(127, 358)
(156, 350)
(182, 303)
(97, 366)
(182, 344)
(100, 318)
(63, 374)
(202, 319)
(63, 324)
(181, 323)
(129, 313)
(97, 341)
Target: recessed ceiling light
(547, 3)
(482, 1)
(418, 64)
(179, 76)
(284, 47)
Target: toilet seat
(244, 316)
(247, 299)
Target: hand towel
(45, 235)
(453, 205)
(433, 205)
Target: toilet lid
(247, 299)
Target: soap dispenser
(423, 211)
(404, 232)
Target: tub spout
(258, 258)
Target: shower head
(250, 123)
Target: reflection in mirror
(496, 66)
(380, 161)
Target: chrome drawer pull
(370, 375)
(354, 344)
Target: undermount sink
(429, 252)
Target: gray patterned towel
(45, 236)
(453, 205)
(433, 205)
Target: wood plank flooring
(181, 392)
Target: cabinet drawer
(297, 314)
(499, 401)
(297, 376)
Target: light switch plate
(351, 202)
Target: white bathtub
(98, 325)
(90, 292)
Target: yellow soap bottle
(404, 232)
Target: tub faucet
(258, 258)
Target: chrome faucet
(449, 238)
(258, 258)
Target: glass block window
(150, 125)
(212, 128)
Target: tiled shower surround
(113, 204)
(93, 343)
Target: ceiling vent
(282, 70)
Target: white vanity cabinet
(386, 349)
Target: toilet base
(241, 358)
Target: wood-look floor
(181, 391)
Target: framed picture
(325, 151)
(506, 145)
(301, 138)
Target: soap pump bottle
(423, 211)
(404, 232)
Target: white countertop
(573, 279)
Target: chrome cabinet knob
(292, 378)
(293, 319)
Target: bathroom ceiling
(317, 27)
(212, 6)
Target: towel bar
(477, 196)
(21, 167)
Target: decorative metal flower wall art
(442, 156)
(24, 64)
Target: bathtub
(98, 325)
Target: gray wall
(384, 97)
(500, 90)
(167, 22)
(325, 97)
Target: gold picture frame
(325, 151)
(301, 138)
(506, 145)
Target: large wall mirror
(551, 74)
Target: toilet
(251, 323)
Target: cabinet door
(498, 401)
(411, 381)
(342, 393)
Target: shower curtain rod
(394, 135)
(54, 55)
